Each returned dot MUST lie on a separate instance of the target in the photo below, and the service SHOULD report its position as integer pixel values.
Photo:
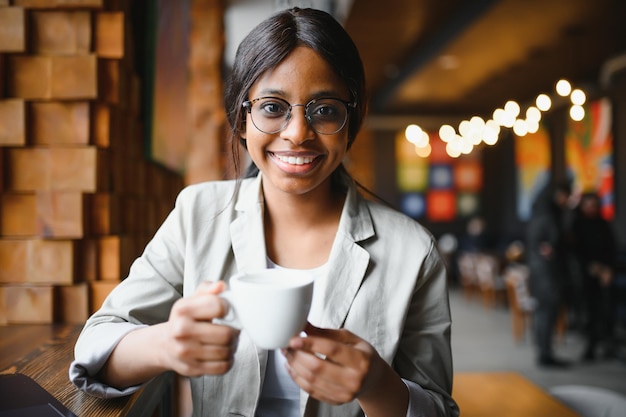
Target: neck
(312, 208)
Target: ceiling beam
(468, 13)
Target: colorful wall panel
(532, 158)
(437, 188)
(589, 153)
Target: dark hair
(269, 43)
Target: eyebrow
(283, 94)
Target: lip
(295, 162)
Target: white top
(280, 396)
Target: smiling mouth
(295, 160)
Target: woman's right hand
(193, 344)
(189, 343)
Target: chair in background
(521, 304)
(490, 281)
(467, 274)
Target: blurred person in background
(546, 256)
(596, 251)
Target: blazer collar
(348, 260)
(247, 232)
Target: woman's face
(297, 160)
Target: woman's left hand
(334, 366)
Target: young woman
(378, 342)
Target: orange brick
(88, 260)
(3, 307)
(67, 169)
(18, 214)
(60, 214)
(84, 169)
(61, 32)
(50, 262)
(12, 29)
(109, 37)
(54, 4)
(74, 77)
(12, 122)
(27, 304)
(115, 255)
(13, 258)
(60, 123)
(52, 77)
(72, 303)
(104, 214)
(3, 90)
(36, 261)
(2, 165)
(105, 126)
(112, 81)
(98, 292)
(29, 77)
(28, 169)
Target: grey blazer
(388, 285)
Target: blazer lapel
(348, 261)
(348, 265)
(246, 231)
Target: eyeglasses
(272, 114)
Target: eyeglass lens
(272, 114)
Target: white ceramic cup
(271, 305)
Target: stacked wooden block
(78, 199)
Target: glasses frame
(349, 105)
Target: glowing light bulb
(543, 102)
(499, 115)
(446, 133)
(578, 97)
(532, 126)
(533, 114)
(422, 140)
(423, 151)
(577, 113)
(520, 128)
(512, 108)
(413, 133)
(563, 87)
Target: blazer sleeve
(145, 297)
(424, 353)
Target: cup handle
(231, 317)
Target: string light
(476, 130)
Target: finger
(325, 381)
(206, 352)
(339, 335)
(332, 345)
(194, 368)
(204, 304)
(209, 287)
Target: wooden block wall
(78, 199)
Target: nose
(298, 129)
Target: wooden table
(44, 352)
(498, 394)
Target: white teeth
(293, 160)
